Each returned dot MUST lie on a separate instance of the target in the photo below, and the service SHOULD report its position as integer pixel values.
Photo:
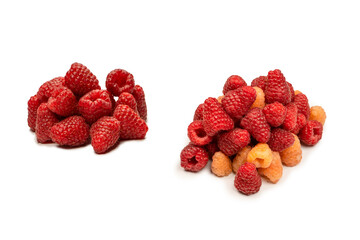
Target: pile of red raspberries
(73, 110)
(252, 130)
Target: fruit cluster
(73, 109)
(252, 131)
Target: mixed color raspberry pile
(74, 110)
(252, 131)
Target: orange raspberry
(260, 99)
(221, 164)
(297, 92)
(240, 158)
(220, 98)
(292, 155)
(317, 113)
(260, 155)
(274, 172)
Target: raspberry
(132, 126)
(297, 92)
(48, 87)
(292, 93)
(260, 98)
(126, 98)
(280, 139)
(104, 133)
(139, 96)
(260, 82)
(260, 155)
(232, 83)
(302, 104)
(311, 133)
(240, 158)
(291, 117)
(292, 155)
(193, 158)
(119, 81)
(197, 134)
(212, 148)
(199, 112)
(215, 118)
(237, 102)
(221, 165)
(80, 80)
(247, 179)
(72, 131)
(256, 124)
(62, 102)
(317, 113)
(94, 105)
(33, 105)
(275, 114)
(274, 172)
(220, 98)
(300, 123)
(231, 142)
(277, 89)
(45, 119)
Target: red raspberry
(280, 139)
(231, 142)
(95, 104)
(232, 83)
(300, 123)
(275, 113)
(311, 133)
(45, 119)
(212, 148)
(302, 104)
(291, 117)
(277, 89)
(199, 112)
(80, 80)
(215, 119)
(260, 82)
(247, 179)
(63, 102)
(33, 105)
(193, 158)
(48, 87)
(237, 102)
(197, 134)
(132, 126)
(118, 81)
(255, 122)
(72, 131)
(139, 96)
(126, 98)
(104, 133)
(292, 92)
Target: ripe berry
(311, 133)
(255, 122)
(275, 114)
(119, 81)
(139, 96)
(280, 139)
(193, 158)
(277, 89)
(247, 179)
(292, 93)
(126, 98)
(48, 87)
(237, 102)
(302, 104)
(260, 82)
(104, 133)
(232, 141)
(80, 80)
(199, 112)
(232, 83)
(33, 105)
(45, 119)
(291, 117)
(63, 102)
(72, 131)
(197, 134)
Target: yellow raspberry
(292, 155)
(274, 172)
(240, 158)
(260, 155)
(317, 113)
(220, 98)
(260, 98)
(221, 164)
(297, 92)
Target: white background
(181, 53)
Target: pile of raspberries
(73, 109)
(252, 131)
